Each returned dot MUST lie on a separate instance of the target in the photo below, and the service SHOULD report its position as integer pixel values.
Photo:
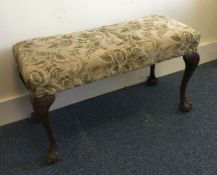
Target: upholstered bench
(48, 65)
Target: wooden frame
(41, 105)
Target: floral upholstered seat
(52, 64)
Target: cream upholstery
(52, 64)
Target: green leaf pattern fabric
(56, 63)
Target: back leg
(34, 116)
(152, 80)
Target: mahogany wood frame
(41, 105)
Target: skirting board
(17, 108)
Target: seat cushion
(55, 63)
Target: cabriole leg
(191, 62)
(41, 107)
(152, 80)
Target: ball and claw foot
(186, 106)
(151, 81)
(34, 117)
(52, 156)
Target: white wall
(24, 19)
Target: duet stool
(48, 65)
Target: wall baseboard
(19, 107)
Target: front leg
(191, 62)
(41, 107)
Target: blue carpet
(135, 130)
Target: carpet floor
(135, 130)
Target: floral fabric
(52, 64)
